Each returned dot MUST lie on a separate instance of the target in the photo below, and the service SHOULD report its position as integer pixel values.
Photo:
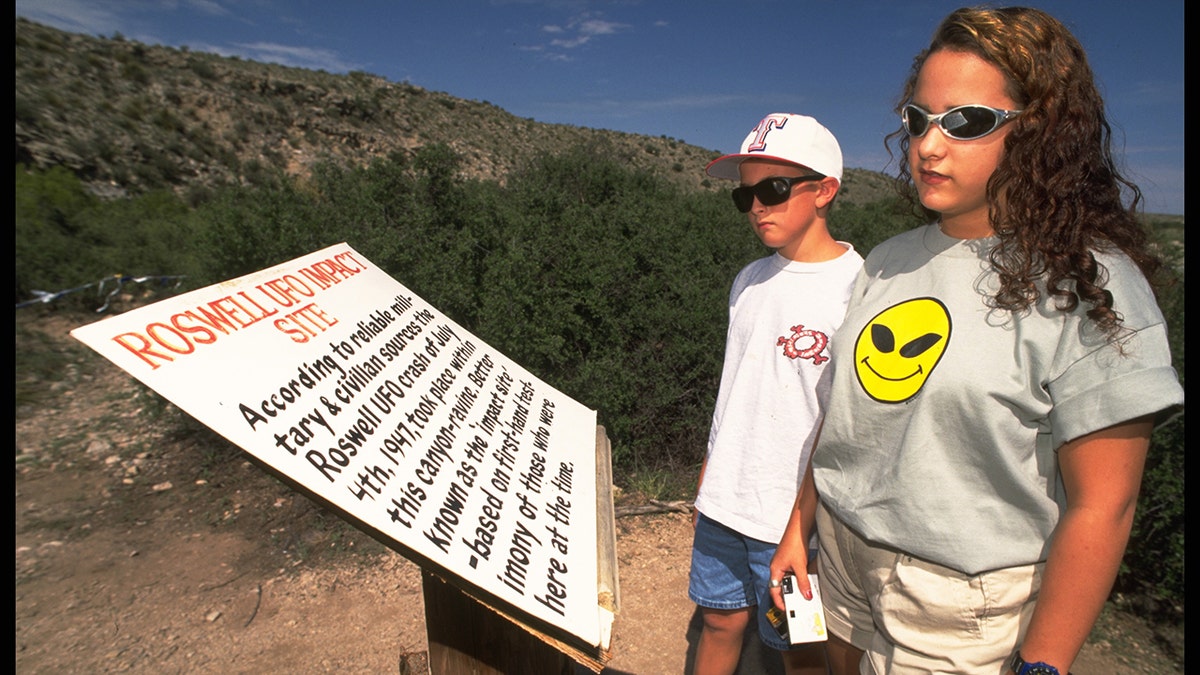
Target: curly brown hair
(1056, 195)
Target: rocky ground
(146, 544)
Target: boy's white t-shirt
(782, 314)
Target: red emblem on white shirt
(816, 340)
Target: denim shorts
(730, 571)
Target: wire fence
(106, 288)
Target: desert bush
(607, 282)
(1154, 560)
(66, 238)
(613, 286)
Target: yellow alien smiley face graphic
(898, 349)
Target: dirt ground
(146, 544)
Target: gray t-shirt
(941, 430)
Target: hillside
(125, 116)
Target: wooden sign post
(356, 392)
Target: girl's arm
(792, 553)
(1102, 473)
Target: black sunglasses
(965, 123)
(770, 192)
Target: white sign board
(338, 377)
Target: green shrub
(67, 239)
(606, 282)
(1154, 560)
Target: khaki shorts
(913, 616)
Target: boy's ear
(829, 188)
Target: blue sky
(703, 71)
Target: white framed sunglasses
(964, 123)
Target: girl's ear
(829, 187)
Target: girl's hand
(790, 558)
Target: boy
(782, 311)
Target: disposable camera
(804, 620)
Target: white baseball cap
(785, 137)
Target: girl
(980, 459)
